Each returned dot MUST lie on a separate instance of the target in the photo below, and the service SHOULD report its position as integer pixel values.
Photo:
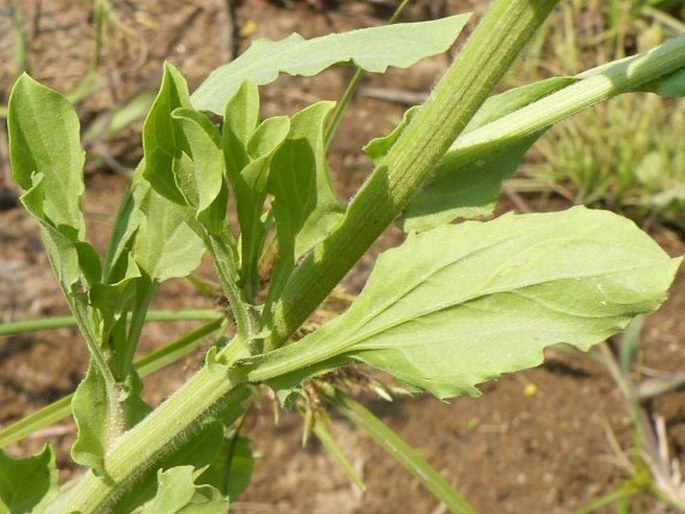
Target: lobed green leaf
(462, 304)
(372, 49)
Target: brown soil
(548, 440)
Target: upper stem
(228, 277)
(489, 53)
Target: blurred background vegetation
(628, 154)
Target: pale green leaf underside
(483, 299)
(372, 49)
(462, 304)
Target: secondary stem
(141, 450)
(228, 277)
(493, 47)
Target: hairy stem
(489, 53)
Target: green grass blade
(398, 449)
(320, 428)
(176, 350)
(42, 418)
(56, 322)
(152, 362)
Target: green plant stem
(619, 78)
(101, 12)
(137, 322)
(399, 450)
(140, 450)
(151, 363)
(22, 327)
(595, 85)
(82, 315)
(228, 277)
(487, 56)
(625, 491)
(341, 107)
(48, 415)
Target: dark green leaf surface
(372, 49)
(126, 225)
(673, 86)
(305, 206)
(231, 471)
(163, 140)
(25, 483)
(198, 452)
(463, 188)
(165, 246)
